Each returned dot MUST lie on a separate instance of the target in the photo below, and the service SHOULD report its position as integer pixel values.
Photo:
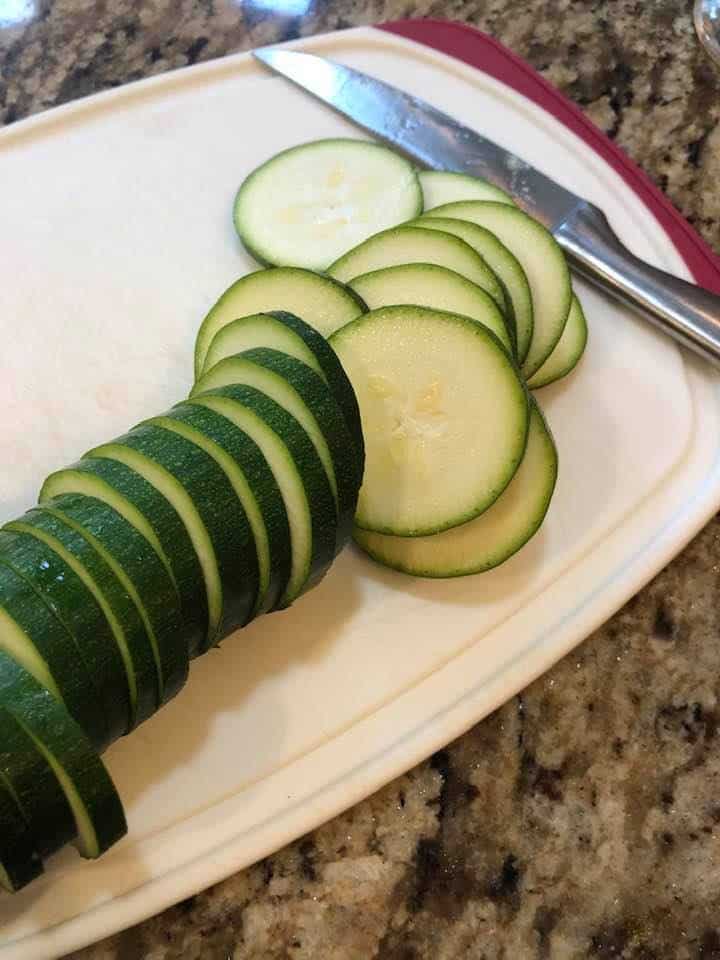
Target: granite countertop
(583, 818)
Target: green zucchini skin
(132, 639)
(248, 456)
(45, 640)
(20, 862)
(73, 604)
(158, 597)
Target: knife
(688, 313)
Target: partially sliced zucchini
(156, 518)
(90, 793)
(320, 301)
(425, 285)
(305, 395)
(73, 603)
(411, 244)
(215, 521)
(308, 204)
(284, 331)
(146, 581)
(299, 474)
(445, 417)
(19, 859)
(566, 355)
(489, 539)
(541, 258)
(123, 616)
(444, 186)
(32, 634)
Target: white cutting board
(115, 238)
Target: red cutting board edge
(483, 52)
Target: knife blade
(688, 313)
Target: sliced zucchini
(489, 539)
(156, 518)
(19, 859)
(506, 270)
(146, 581)
(411, 244)
(284, 331)
(444, 186)
(74, 605)
(308, 204)
(233, 468)
(122, 614)
(215, 521)
(90, 793)
(32, 634)
(541, 258)
(566, 355)
(39, 798)
(320, 301)
(299, 474)
(425, 285)
(305, 395)
(445, 417)
(505, 266)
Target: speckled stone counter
(583, 818)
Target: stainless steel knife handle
(688, 313)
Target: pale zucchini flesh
(445, 417)
(568, 350)
(445, 186)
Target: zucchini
(320, 301)
(215, 521)
(121, 613)
(19, 860)
(445, 417)
(156, 518)
(411, 244)
(32, 634)
(426, 285)
(566, 355)
(543, 261)
(299, 474)
(283, 331)
(145, 579)
(505, 266)
(304, 394)
(73, 603)
(308, 204)
(444, 186)
(89, 791)
(489, 539)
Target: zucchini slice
(308, 204)
(541, 258)
(299, 474)
(19, 860)
(445, 417)
(566, 355)
(426, 285)
(215, 521)
(121, 613)
(320, 301)
(88, 789)
(411, 244)
(32, 634)
(286, 332)
(146, 581)
(489, 539)
(73, 603)
(305, 395)
(156, 518)
(505, 266)
(444, 186)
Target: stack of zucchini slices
(153, 548)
